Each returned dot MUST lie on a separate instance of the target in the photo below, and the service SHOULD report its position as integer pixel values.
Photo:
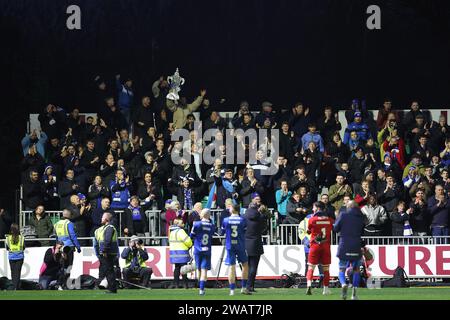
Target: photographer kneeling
(135, 267)
(52, 270)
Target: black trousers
(16, 268)
(176, 275)
(253, 262)
(143, 274)
(62, 278)
(107, 270)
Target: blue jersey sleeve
(194, 230)
(73, 235)
(224, 226)
(96, 248)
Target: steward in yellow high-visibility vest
(179, 243)
(305, 238)
(65, 231)
(15, 245)
(15, 249)
(107, 249)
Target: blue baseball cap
(81, 196)
(357, 114)
(255, 195)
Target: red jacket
(360, 201)
(172, 215)
(399, 155)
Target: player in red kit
(319, 227)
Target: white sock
(308, 283)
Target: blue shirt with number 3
(234, 228)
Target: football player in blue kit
(234, 228)
(202, 233)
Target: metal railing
(89, 241)
(155, 228)
(407, 240)
(153, 216)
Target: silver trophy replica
(175, 81)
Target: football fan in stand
(319, 227)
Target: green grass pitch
(436, 293)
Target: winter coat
(180, 114)
(294, 217)
(66, 191)
(247, 189)
(419, 219)
(95, 195)
(438, 214)
(398, 222)
(336, 197)
(40, 144)
(255, 226)
(43, 227)
(390, 198)
(33, 193)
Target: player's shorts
(344, 264)
(232, 253)
(319, 254)
(203, 260)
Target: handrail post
(21, 222)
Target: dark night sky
(319, 52)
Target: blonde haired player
(202, 233)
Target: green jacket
(44, 227)
(337, 197)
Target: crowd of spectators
(394, 166)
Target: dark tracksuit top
(350, 226)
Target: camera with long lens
(187, 268)
(137, 242)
